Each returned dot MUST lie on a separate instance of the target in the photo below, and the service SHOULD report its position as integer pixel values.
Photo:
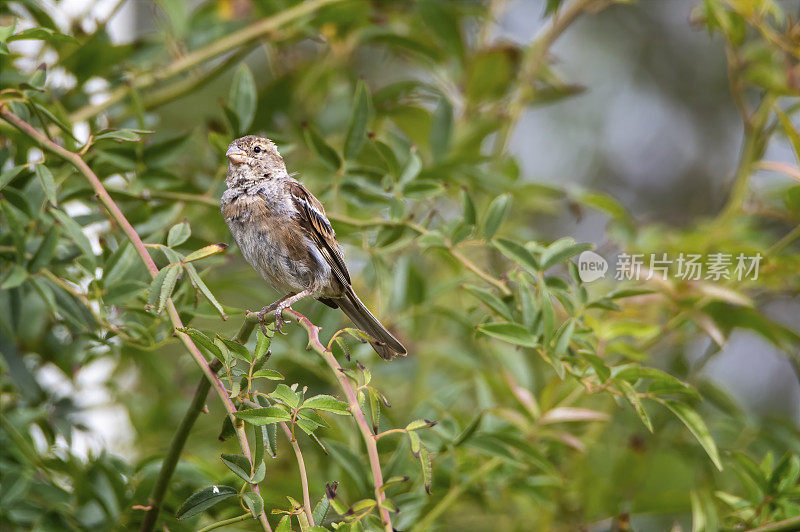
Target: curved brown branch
(115, 212)
(355, 409)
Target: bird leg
(279, 306)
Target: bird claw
(279, 320)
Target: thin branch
(192, 59)
(226, 522)
(453, 494)
(301, 464)
(787, 525)
(130, 232)
(367, 435)
(174, 452)
(536, 54)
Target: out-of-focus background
(627, 125)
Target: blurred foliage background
(466, 153)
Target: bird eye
(257, 149)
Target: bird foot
(278, 309)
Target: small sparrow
(284, 234)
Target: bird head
(252, 158)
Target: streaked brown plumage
(284, 234)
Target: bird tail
(383, 342)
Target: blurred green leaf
(242, 97)
(359, 119)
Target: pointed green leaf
(513, 333)
(697, 427)
(263, 416)
(496, 214)
(178, 234)
(254, 502)
(204, 499)
(327, 403)
(357, 130)
(48, 183)
(242, 97)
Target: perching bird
(284, 234)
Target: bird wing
(312, 219)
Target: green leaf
(242, 97)
(789, 130)
(238, 464)
(48, 183)
(411, 169)
(496, 214)
(517, 253)
(203, 341)
(561, 250)
(15, 277)
(170, 279)
(357, 130)
(563, 337)
(237, 350)
(262, 344)
(204, 252)
(75, 232)
(254, 502)
(270, 374)
(633, 398)
(285, 395)
(467, 207)
(200, 285)
(441, 129)
(321, 509)
(204, 499)
(122, 135)
(321, 149)
(327, 403)
(420, 424)
(513, 333)
(178, 234)
(7, 176)
(263, 416)
(285, 524)
(44, 254)
(490, 300)
(697, 427)
(548, 314)
(427, 468)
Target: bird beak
(236, 155)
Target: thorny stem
(369, 439)
(196, 57)
(138, 244)
(787, 525)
